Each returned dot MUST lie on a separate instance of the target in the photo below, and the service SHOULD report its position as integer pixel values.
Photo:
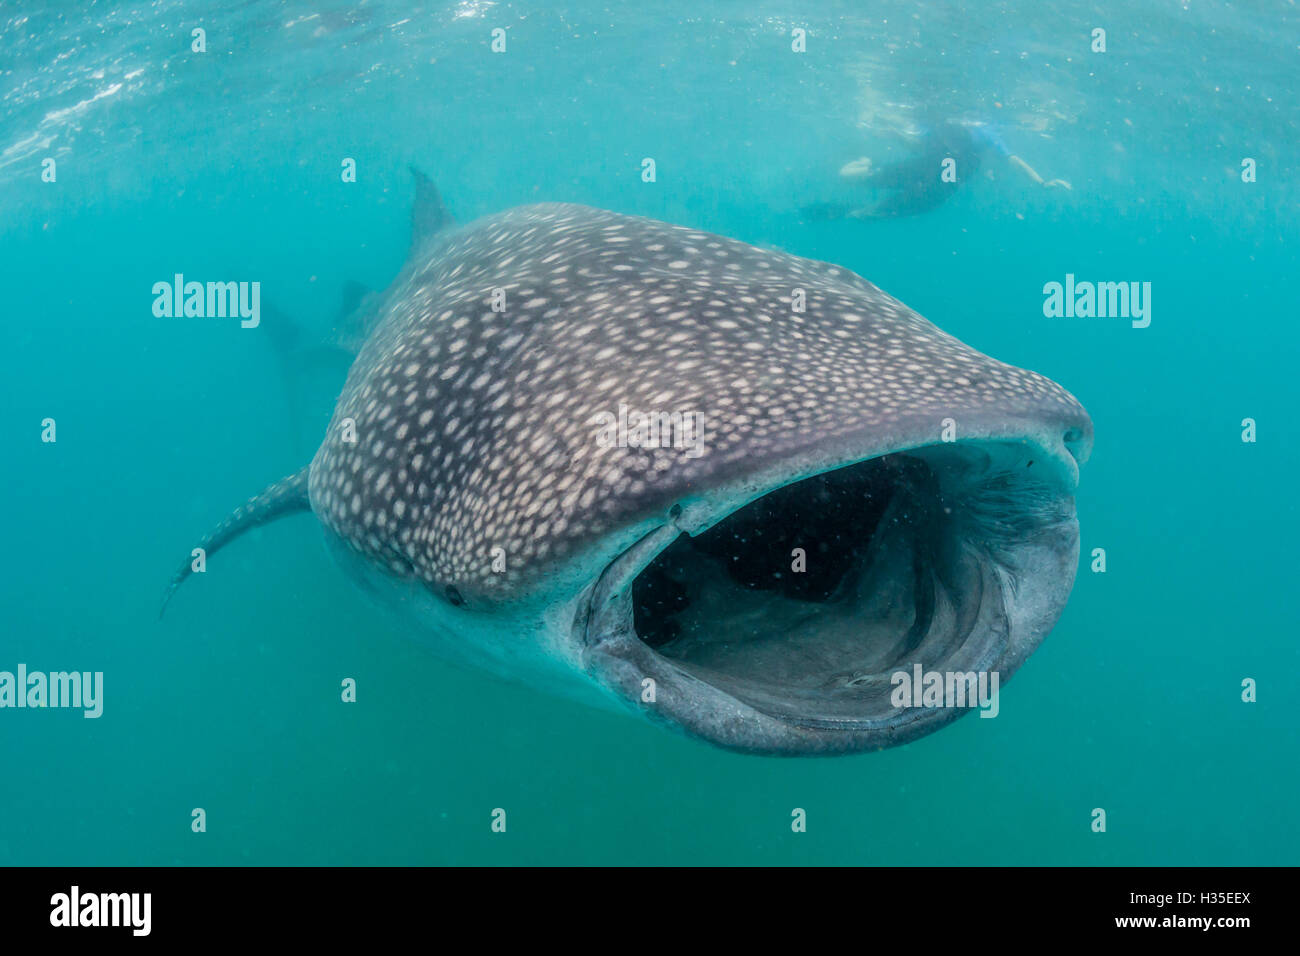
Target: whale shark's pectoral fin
(285, 497)
(355, 320)
(428, 215)
(310, 370)
(352, 303)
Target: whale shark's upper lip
(969, 555)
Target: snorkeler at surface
(916, 183)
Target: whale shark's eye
(804, 603)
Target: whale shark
(862, 495)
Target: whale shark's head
(738, 490)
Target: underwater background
(226, 165)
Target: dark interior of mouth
(806, 602)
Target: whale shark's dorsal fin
(428, 216)
(282, 498)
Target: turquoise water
(227, 164)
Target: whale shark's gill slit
(805, 602)
(923, 590)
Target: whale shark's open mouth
(780, 628)
(763, 589)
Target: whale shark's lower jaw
(782, 628)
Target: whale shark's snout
(737, 491)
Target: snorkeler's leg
(828, 211)
(916, 199)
